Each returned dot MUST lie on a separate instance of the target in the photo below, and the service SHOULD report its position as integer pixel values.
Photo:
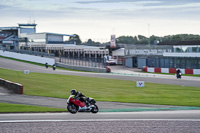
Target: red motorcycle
(75, 105)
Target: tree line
(140, 39)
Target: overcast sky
(98, 19)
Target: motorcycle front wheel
(72, 108)
(95, 109)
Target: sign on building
(140, 84)
(146, 51)
(10, 42)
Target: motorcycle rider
(178, 73)
(54, 67)
(46, 65)
(79, 96)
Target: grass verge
(39, 64)
(54, 85)
(17, 108)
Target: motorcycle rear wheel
(95, 109)
(72, 108)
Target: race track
(180, 121)
(128, 122)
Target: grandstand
(9, 37)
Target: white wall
(181, 54)
(150, 69)
(26, 57)
(196, 71)
(52, 37)
(119, 52)
(164, 70)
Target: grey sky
(98, 19)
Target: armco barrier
(158, 70)
(14, 87)
(170, 70)
(188, 71)
(144, 69)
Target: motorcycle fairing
(91, 100)
(85, 109)
(79, 103)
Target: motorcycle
(179, 75)
(75, 105)
(54, 67)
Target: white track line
(104, 113)
(95, 120)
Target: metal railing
(82, 61)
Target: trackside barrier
(27, 57)
(82, 68)
(14, 87)
(170, 70)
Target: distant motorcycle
(54, 67)
(75, 105)
(46, 65)
(178, 75)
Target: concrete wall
(26, 57)
(168, 54)
(51, 37)
(14, 87)
(119, 52)
(91, 69)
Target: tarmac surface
(103, 106)
(134, 126)
(128, 122)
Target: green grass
(11, 108)
(54, 85)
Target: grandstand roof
(27, 24)
(9, 28)
(55, 34)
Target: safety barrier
(14, 87)
(82, 68)
(170, 70)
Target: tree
(126, 40)
(75, 38)
(142, 39)
(154, 38)
(91, 43)
(180, 37)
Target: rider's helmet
(73, 92)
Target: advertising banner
(113, 41)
